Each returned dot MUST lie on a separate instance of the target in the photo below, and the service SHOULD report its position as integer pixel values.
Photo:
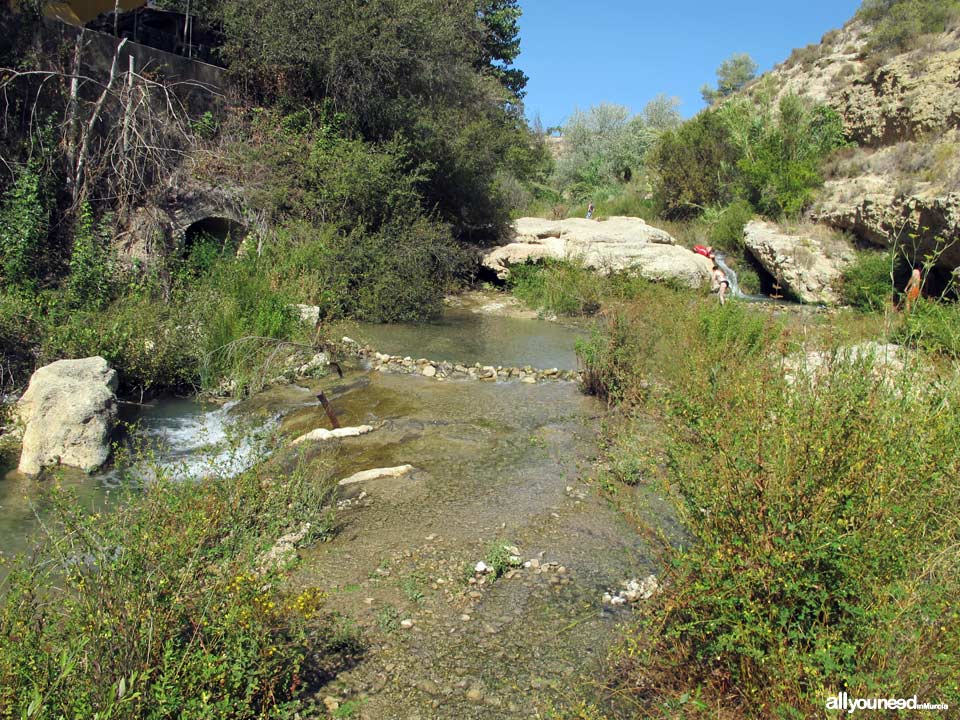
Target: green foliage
(500, 559)
(866, 283)
(662, 113)
(733, 73)
(819, 555)
(932, 326)
(434, 77)
(556, 287)
(91, 263)
(24, 224)
(158, 609)
(500, 45)
(781, 154)
(726, 225)
(897, 23)
(605, 146)
(744, 148)
(694, 166)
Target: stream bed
(494, 463)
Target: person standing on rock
(590, 211)
(721, 283)
(912, 289)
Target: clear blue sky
(579, 54)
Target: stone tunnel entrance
(210, 239)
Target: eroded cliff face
(883, 98)
(901, 185)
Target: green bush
(781, 154)
(896, 23)
(726, 228)
(819, 552)
(153, 345)
(557, 287)
(24, 224)
(693, 166)
(933, 326)
(866, 283)
(158, 609)
(91, 265)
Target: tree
(605, 145)
(662, 113)
(501, 43)
(733, 73)
(694, 165)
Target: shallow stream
(493, 462)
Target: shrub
(781, 155)
(897, 23)
(726, 228)
(866, 283)
(933, 326)
(557, 287)
(158, 609)
(24, 224)
(693, 166)
(91, 265)
(818, 542)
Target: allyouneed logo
(842, 702)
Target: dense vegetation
(897, 24)
(164, 608)
(824, 550)
(374, 142)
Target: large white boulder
(806, 265)
(68, 413)
(613, 245)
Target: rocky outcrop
(806, 266)
(68, 413)
(906, 96)
(616, 244)
(919, 225)
(911, 95)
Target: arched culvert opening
(209, 239)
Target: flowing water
(494, 462)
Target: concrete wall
(200, 86)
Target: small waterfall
(731, 275)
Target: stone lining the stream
(445, 370)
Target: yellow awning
(80, 12)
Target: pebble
(406, 624)
(428, 686)
(475, 694)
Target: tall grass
(821, 501)
(161, 610)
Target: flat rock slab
(321, 434)
(376, 474)
(613, 245)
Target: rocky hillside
(901, 185)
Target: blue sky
(579, 54)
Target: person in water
(590, 211)
(721, 283)
(912, 289)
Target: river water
(188, 439)
(493, 462)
